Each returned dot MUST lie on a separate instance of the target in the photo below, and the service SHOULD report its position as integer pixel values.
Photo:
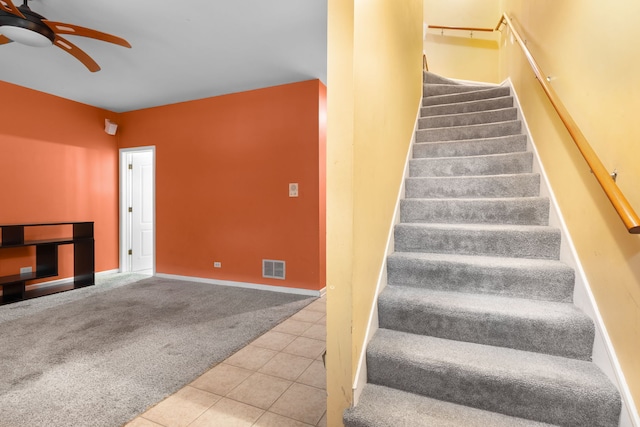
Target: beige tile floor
(278, 380)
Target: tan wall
(457, 54)
(591, 51)
(340, 124)
(374, 88)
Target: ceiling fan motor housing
(32, 21)
(20, 24)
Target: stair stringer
(604, 355)
(360, 378)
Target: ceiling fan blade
(62, 28)
(4, 40)
(8, 6)
(80, 55)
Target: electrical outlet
(217, 264)
(293, 189)
(26, 270)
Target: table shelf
(13, 236)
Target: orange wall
(223, 166)
(57, 164)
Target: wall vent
(273, 269)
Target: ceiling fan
(22, 25)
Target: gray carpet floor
(101, 355)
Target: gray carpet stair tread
(520, 210)
(539, 279)
(467, 107)
(467, 119)
(554, 328)
(505, 185)
(517, 241)
(474, 131)
(381, 406)
(545, 388)
(433, 89)
(490, 164)
(471, 147)
(429, 77)
(477, 325)
(491, 92)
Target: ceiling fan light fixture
(21, 24)
(25, 36)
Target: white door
(141, 211)
(137, 209)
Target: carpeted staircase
(477, 324)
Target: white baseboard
(282, 289)
(604, 355)
(44, 285)
(287, 290)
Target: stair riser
(491, 130)
(380, 406)
(543, 244)
(432, 78)
(547, 284)
(474, 147)
(567, 335)
(462, 385)
(516, 211)
(467, 107)
(467, 96)
(525, 185)
(513, 163)
(468, 119)
(446, 89)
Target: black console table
(13, 236)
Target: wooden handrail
(424, 62)
(618, 200)
(441, 27)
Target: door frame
(123, 200)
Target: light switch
(293, 189)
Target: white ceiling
(181, 50)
